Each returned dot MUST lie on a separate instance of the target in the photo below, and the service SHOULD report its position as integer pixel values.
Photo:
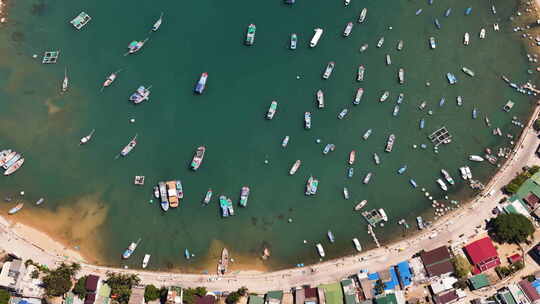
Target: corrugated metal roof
(333, 293)
(479, 281)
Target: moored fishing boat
(316, 37)
(320, 99)
(110, 79)
(388, 59)
(311, 186)
(437, 23)
(16, 209)
(230, 207)
(380, 42)
(244, 196)
(451, 78)
(360, 73)
(467, 71)
(384, 96)
(367, 178)
(180, 189)
(208, 197)
(346, 193)
(468, 171)
(201, 84)
(360, 205)
(328, 70)
(294, 41)
(223, 265)
(250, 34)
(157, 24)
(432, 43)
(422, 123)
(390, 143)
(350, 172)
(135, 46)
(164, 198)
(307, 120)
(474, 113)
(468, 11)
(400, 98)
(12, 161)
(399, 46)
(320, 250)
(6, 155)
(285, 141)
(402, 169)
(328, 148)
(363, 48)
(342, 113)
(330, 236)
(476, 158)
(422, 105)
(447, 12)
(40, 201)
(401, 76)
(376, 158)
(482, 33)
(271, 110)
(65, 82)
(413, 183)
(295, 167)
(358, 97)
(87, 138)
(447, 176)
(129, 147)
(363, 15)
(396, 111)
(357, 245)
(442, 184)
(347, 2)
(375, 216)
(459, 101)
(224, 205)
(140, 95)
(348, 29)
(442, 101)
(198, 158)
(13, 168)
(420, 223)
(466, 39)
(352, 157)
(418, 11)
(367, 134)
(145, 261)
(131, 248)
(172, 192)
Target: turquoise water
(207, 36)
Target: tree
(4, 296)
(57, 282)
(511, 228)
(379, 287)
(243, 291)
(151, 293)
(201, 291)
(121, 285)
(80, 288)
(461, 266)
(232, 298)
(34, 274)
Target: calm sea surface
(207, 36)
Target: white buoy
(297, 76)
(414, 146)
(431, 197)
(132, 120)
(22, 192)
(318, 140)
(266, 161)
(34, 56)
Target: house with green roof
(478, 281)
(333, 293)
(349, 291)
(253, 299)
(390, 298)
(274, 297)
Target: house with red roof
(482, 255)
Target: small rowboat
(360, 205)
(129, 146)
(87, 138)
(110, 79)
(156, 25)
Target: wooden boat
(16, 209)
(223, 264)
(65, 82)
(360, 205)
(156, 25)
(16, 166)
(87, 138)
(110, 79)
(129, 146)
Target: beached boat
(466, 39)
(65, 82)
(447, 176)
(198, 158)
(135, 46)
(328, 70)
(40, 201)
(316, 37)
(357, 245)
(451, 78)
(293, 42)
(384, 96)
(201, 84)
(476, 158)
(442, 184)
(320, 250)
(360, 205)
(164, 198)
(420, 223)
(207, 197)
(320, 99)
(145, 261)
(342, 113)
(390, 143)
(129, 147)
(482, 33)
(467, 71)
(432, 43)
(13, 168)
(367, 178)
(346, 193)
(307, 120)
(348, 29)
(295, 167)
(285, 141)
(401, 76)
(395, 112)
(140, 95)
(367, 134)
(363, 48)
(360, 73)
(16, 209)
(250, 34)
(271, 110)
(330, 236)
(244, 196)
(376, 158)
(131, 248)
(422, 123)
(380, 42)
(350, 172)
(87, 138)
(437, 23)
(224, 205)
(352, 157)
(413, 183)
(399, 45)
(388, 59)
(157, 24)
(402, 169)
(172, 193)
(362, 16)
(358, 97)
(223, 265)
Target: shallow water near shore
(91, 201)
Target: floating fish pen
(375, 216)
(50, 57)
(440, 136)
(81, 20)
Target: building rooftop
(482, 254)
(437, 261)
(333, 293)
(404, 273)
(91, 283)
(443, 284)
(478, 281)
(447, 297)
(529, 290)
(208, 299)
(255, 300)
(137, 295)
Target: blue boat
(400, 98)
(402, 169)
(201, 84)
(451, 78)
(442, 101)
(418, 12)
(468, 11)
(437, 23)
(350, 172)
(413, 183)
(422, 123)
(330, 236)
(447, 12)
(474, 113)
(187, 254)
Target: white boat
(390, 143)
(367, 178)
(358, 97)
(271, 110)
(367, 134)
(388, 59)
(320, 250)
(65, 82)
(343, 113)
(469, 174)
(496, 26)
(466, 39)
(156, 25)
(129, 251)
(476, 158)
(285, 141)
(110, 79)
(360, 205)
(40, 201)
(16, 209)
(361, 72)
(347, 2)
(396, 111)
(295, 167)
(329, 69)
(432, 43)
(463, 172)
(320, 99)
(363, 48)
(16, 166)
(399, 46)
(87, 138)
(447, 176)
(376, 158)
(145, 261)
(307, 120)
(384, 96)
(442, 184)
(316, 36)
(362, 16)
(482, 33)
(129, 147)
(346, 193)
(357, 245)
(348, 29)
(380, 42)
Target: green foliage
(4, 296)
(461, 284)
(58, 281)
(462, 266)
(243, 291)
(234, 296)
(511, 228)
(151, 293)
(121, 285)
(513, 268)
(80, 288)
(379, 287)
(515, 183)
(536, 125)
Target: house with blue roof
(404, 273)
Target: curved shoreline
(454, 229)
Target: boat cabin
(81, 20)
(508, 106)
